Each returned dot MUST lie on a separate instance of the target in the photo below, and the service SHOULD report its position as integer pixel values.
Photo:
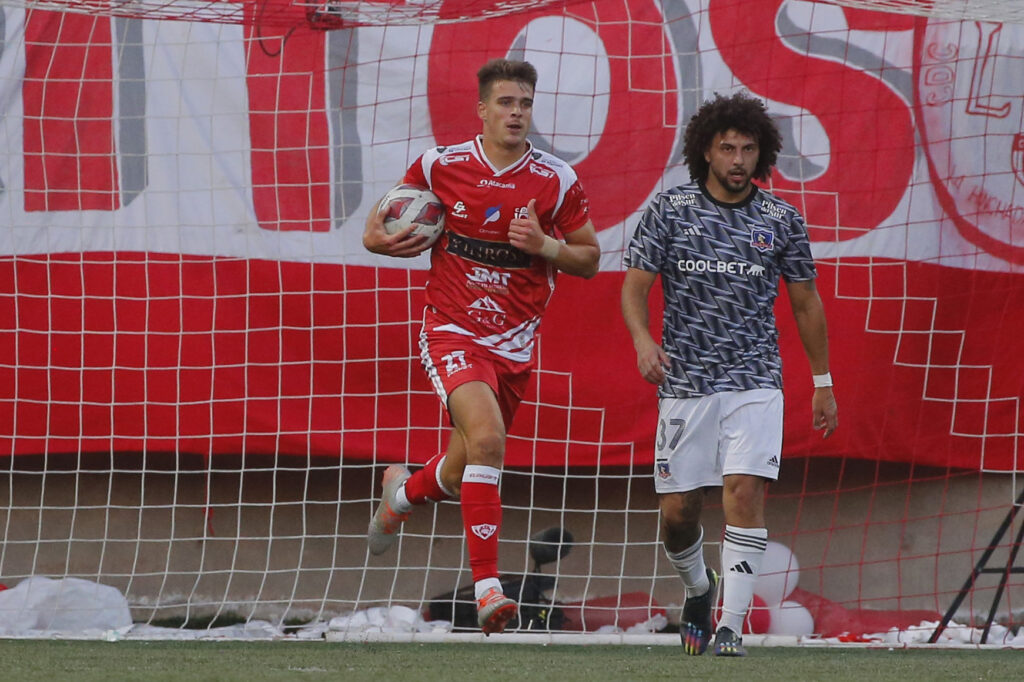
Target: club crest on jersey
(664, 473)
(762, 240)
(492, 214)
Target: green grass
(151, 661)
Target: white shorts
(699, 440)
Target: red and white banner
(182, 204)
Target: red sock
(481, 517)
(422, 486)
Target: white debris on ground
(41, 607)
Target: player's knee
(487, 449)
(744, 495)
(678, 534)
(681, 509)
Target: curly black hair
(741, 112)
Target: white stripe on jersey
(514, 344)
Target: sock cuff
(746, 539)
(478, 473)
(437, 476)
(691, 551)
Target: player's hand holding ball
(408, 220)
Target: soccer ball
(407, 205)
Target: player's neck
(502, 155)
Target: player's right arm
(651, 358)
(401, 244)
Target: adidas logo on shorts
(774, 462)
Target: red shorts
(451, 360)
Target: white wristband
(822, 380)
(551, 247)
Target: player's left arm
(809, 313)
(578, 255)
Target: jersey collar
(724, 204)
(478, 151)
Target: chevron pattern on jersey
(720, 266)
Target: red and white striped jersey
(480, 285)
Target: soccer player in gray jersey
(720, 245)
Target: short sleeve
(415, 174)
(574, 211)
(797, 262)
(646, 249)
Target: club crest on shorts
(663, 471)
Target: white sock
(480, 588)
(742, 551)
(402, 503)
(689, 564)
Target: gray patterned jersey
(720, 266)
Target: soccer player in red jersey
(492, 274)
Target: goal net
(203, 373)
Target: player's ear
(481, 110)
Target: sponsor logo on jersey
(493, 281)
(541, 171)
(732, 267)
(691, 229)
(486, 312)
(762, 240)
(495, 254)
(677, 200)
(772, 209)
(487, 182)
(459, 210)
(453, 158)
(492, 214)
(484, 530)
(521, 213)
